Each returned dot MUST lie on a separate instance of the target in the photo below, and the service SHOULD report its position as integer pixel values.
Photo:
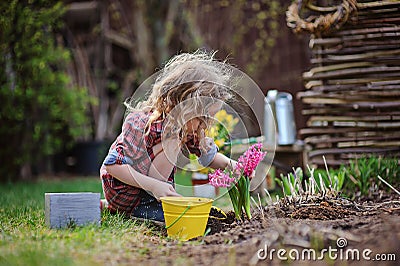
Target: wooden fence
(352, 91)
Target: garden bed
(318, 225)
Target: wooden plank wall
(352, 91)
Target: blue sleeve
(115, 157)
(205, 159)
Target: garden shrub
(40, 109)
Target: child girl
(140, 165)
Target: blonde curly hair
(189, 83)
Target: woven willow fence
(352, 91)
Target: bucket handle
(179, 217)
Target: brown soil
(218, 222)
(316, 225)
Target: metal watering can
(278, 109)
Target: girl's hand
(253, 174)
(164, 190)
(231, 164)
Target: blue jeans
(149, 208)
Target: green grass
(26, 240)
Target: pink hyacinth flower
(220, 179)
(248, 162)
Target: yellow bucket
(186, 217)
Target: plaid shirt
(135, 148)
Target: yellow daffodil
(225, 123)
(220, 142)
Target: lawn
(26, 240)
